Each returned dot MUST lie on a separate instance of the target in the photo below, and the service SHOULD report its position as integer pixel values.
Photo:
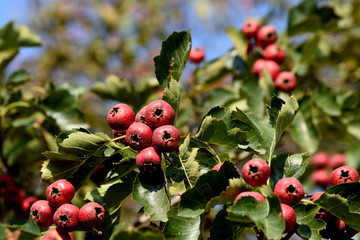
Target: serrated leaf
(171, 94)
(309, 227)
(154, 198)
(208, 186)
(239, 41)
(83, 143)
(266, 215)
(325, 99)
(222, 228)
(174, 54)
(182, 228)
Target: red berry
(14, 196)
(117, 133)
(120, 117)
(344, 174)
(322, 213)
(255, 195)
(275, 53)
(343, 230)
(320, 160)
(255, 172)
(26, 204)
(257, 67)
(285, 81)
(289, 215)
(148, 160)
(316, 195)
(66, 217)
(140, 116)
(56, 234)
(218, 166)
(92, 215)
(250, 28)
(266, 35)
(6, 182)
(42, 213)
(159, 113)
(166, 138)
(321, 177)
(60, 192)
(289, 190)
(197, 55)
(138, 136)
(337, 160)
(271, 67)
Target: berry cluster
(264, 38)
(66, 216)
(149, 132)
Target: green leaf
(264, 214)
(239, 41)
(343, 202)
(209, 185)
(254, 95)
(171, 94)
(325, 99)
(18, 78)
(222, 228)
(29, 231)
(153, 196)
(182, 228)
(309, 49)
(301, 19)
(309, 227)
(143, 233)
(217, 128)
(174, 54)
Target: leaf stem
(187, 177)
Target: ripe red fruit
(120, 117)
(197, 55)
(337, 160)
(138, 136)
(321, 177)
(60, 192)
(285, 81)
(289, 215)
(218, 166)
(255, 172)
(117, 133)
(275, 53)
(342, 230)
(92, 215)
(255, 195)
(66, 217)
(140, 116)
(148, 160)
(266, 35)
(322, 213)
(166, 138)
(6, 182)
(250, 28)
(26, 204)
(56, 234)
(344, 174)
(14, 196)
(42, 213)
(320, 160)
(159, 113)
(271, 67)
(289, 190)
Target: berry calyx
(255, 172)
(197, 55)
(92, 215)
(120, 117)
(166, 138)
(60, 192)
(344, 174)
(148, 160)
(250, 28)
(289, 215)
(337, 160)
(255, 195)
(289, 190)
(56, 234)
(42, 212)
(266, 35)
(320, 160)
(66, 217)
(138, 136)
(275, 53)
(285, 81)
(321, 177)
(159, 113)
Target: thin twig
(187, 177)
(259, 233)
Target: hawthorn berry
(321, 177)
(218, 166)
(275, 53)
(289, 190)
(255, 195)
(166, 138)
(285, 81)
(197, 55)
(255, 172)
(344, 174)
(138, 136)
(91, 215)
(66, 217)
(60, 192)
(270, 66)
(117, 133)
(289, 215)
(14, 196)
(140, 116)
(337, 160)
(26, 204)
(56, 234)
(42, 212)
(148, 160)
(120, 117)
(342, 230)
(159, 113)
(322, 213)
(6, 182)
(250, 28)
(266, 35)
(320, 160)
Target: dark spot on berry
(286, 81)
(135, 138)
(291, 189)
(114, 111)
(344, 174)
(142, 118)
(63, 219)
(253, 169)
(270, 35)
(158, 112)
(35, 214)
(166, 136)
(98, 212)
